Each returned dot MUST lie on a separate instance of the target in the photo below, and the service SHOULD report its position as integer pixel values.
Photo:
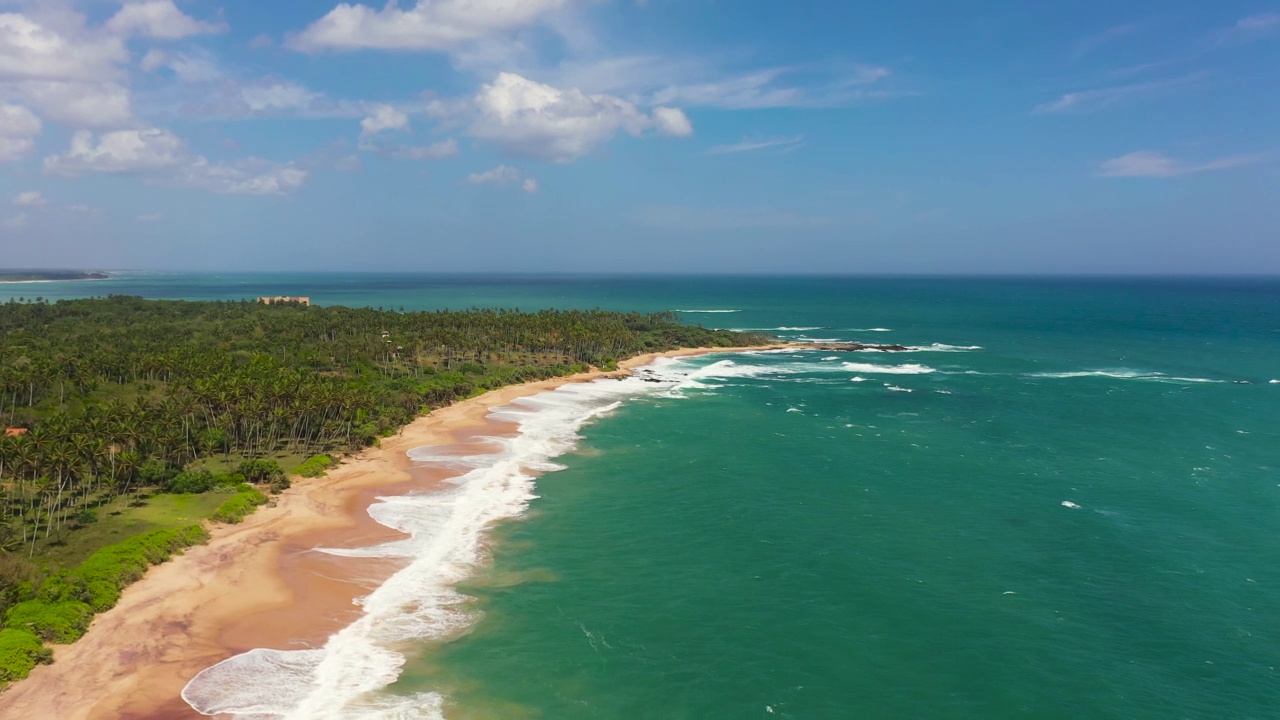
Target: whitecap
(935, 347)
(1274, 382)
(1069, 504)
(870, 330)
(796, 329)
(1125, 375)
(895, 388)
(888, 369)
(857, 378)
(708, 311)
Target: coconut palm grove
(124, 415)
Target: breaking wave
(888, 369)
(445, 544)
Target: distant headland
(49, 275)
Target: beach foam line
(909, 369)
(445, 545)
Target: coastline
(246, 586)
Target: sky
(645, 136)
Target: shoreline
(246, 587)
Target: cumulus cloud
(79, 104)
(672, 122)
(502, 176)
(247, 177)
(277, 96)
(529, 118)
(428, 25)
(382, 118)
(19, 128)
(159, 19)
(163, 158)
(31, 198)
(1151, 164)
(119, 152)
(31, 50)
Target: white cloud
(672, 122)
(79, 104)
(247, 177)
(529, 118)
(1148, 163)
(1249, 29)
(31, 198)
(502, 176)
(428, 25)
(119, 152)
(1089, 100)
(277, 96)
(159, 19)
(382, 118)
(18, 130)
(755, 143)
(16, 221)
(32, 51)
(150, 218)
(691, 81)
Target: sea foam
(1125, 375)
(888, 369)
(446, 528)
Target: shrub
(314, 467)
(240, 506)
(20, 650)
(60, 622)
(154, 473)
(191, 481)
(260, 471)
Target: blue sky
(923, 136)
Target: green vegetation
(30, 275)
(314, 467)
(240, 505)
(144, 417)
(57, 608)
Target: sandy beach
(255, 584)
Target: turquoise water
(1064, 506)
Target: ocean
(1062, 503)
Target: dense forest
(106, 402)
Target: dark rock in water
(850, 347)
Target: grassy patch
(119, 521)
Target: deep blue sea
(1064, 503)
